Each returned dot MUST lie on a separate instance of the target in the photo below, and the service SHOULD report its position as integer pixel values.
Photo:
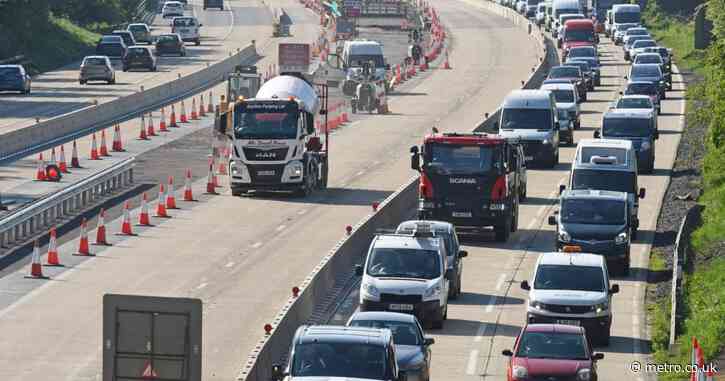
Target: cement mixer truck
(275, 143)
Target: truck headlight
(293, 171)
(621, 238)
(646, 145)
(425, 204)
(584, 374)
(536, 305)
(520, 372)
(545, 142)
(239, 171)
(601, 307)
(564, 236)
(371, 290)
(432, 292)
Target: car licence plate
(461, 214)
(569, 322)
(528, 158)
(265, 173)
(401, 307)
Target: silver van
(531, 116)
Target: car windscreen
(94, 61)
(567, 277)
(357, 60)
(265, 121)
(589, 60)
(579, 35)
(452, 158)
(138, 52)
(563, 96)
(532, 2)
(552, 345)
(166, 39)
(618, 181)
(183, 22)
(636, 32)
(627, 127)
(565, 72)
(127, 39)
(582, 52)
(648, 59)
(349, 360)
(526, 119)
(563, 114)
(404, 263)
(644, 44)
(566, 17)
(111, 50)
(625, 103)
(645, 71)
(641, 89)
(563, 11)
(9, 72)
(588, 152)
(404, 333)
(627, 17)
(583, 66)
(598, 212)
(137, 28)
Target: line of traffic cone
(143, 217)
(161, 205)
(142, 132)
(210, 106)
(103, 149)
(36, 269)
(183, 118)
(40, 169)
(52, 157)
(194, 115)
(202, 112)
(210, 186)
(74, 162)
(172, 118)
(62, 164)
(52, 258)
(188, 192)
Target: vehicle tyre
(154, 68)
(664, 95)
(112, 81)
(554, 159)
(626, 266)
(237, 192)
(634, 234)
(197, 42)
(503, 231)
(515, 218)
(437, 323)
(125, 69)
(522, 193)
(604, 338)
(584, 96)
(599, 82)
(81, 82)
(353, 105)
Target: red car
(552, 352)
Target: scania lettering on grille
(459, 180)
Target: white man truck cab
(357, 53)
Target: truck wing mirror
(614, 289)
(507, 353)
(562, 188)
(358, 270)
(414, 158)
(525, 285)
(552, 220)
(597, 134)
(598, 356)
(642, 192)
(277, 372)
(462, 254)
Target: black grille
(266, 174)
(561, 309)
(256, 154)
(402, 299)
(553, 378)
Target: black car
(139, 57)
(170, 44)
(586, 70)
(574, 75)
(650, 89)
(127, 37)
(14, 78)
(598, 222)
(112, 47)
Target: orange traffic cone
(188, 194)
(202, 112)
(117, 145)
(161, 206)
(194, 115)
(126, 228)
(83, 249)
(103, 150)
(74, 162)
(94, 148)
(222, 167)
(101, 229)
(150, 130)
(62, 164)
(170, 198)
(172, 118)
(52, 156)
(36, 269)
(446, 63)
(40, 170)
(162, 122)
(52, 258)
(210, 187)
(210, 107)
(183, 118)
(143, 218)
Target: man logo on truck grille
(265, 155)
(454, 180)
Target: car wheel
(237, 192)
(80, 82)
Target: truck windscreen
(579, 35)
(526, 119)
(627, 17)
(357, 60)
(449, 158)
(265, 121)
(598, 212)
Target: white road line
(501, 279)
(479, 334)
(228, 265)
(281, 227)
(257, 245)
(360, 173)
(472, 362)
(302, 211)
(199, 287)
(491, 303)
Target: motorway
(242, 256)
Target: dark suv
(139, 57)
(332, 352)
(170, 44)
(574, 75)
(471, 180)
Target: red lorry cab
(579, 32)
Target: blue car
(14, 78)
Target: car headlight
(433, 291)
(520, 372)
(601, 307)
(415, 364)
(584, 374)
(646, 145)
(564, 236)
(370, 289)
(621, 238)
(537, 305)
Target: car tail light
(425, 189)
(500, 188)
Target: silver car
(97, 68)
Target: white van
(356, 52)
(188, 28)
(561, 7)
(624, 16)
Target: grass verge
(64, 42)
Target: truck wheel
(322, 182)
(437, 322)
(522, 196)
(625, 266)
(515, 218)
(503, 231)
(604, 338)
(237, 192)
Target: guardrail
(330, 273)
(65, 128)
(28, 221)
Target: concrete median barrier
(44, 135)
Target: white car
(188, 28)
(639, 47)
(172, 9)
(572, 288)
(639, 31)
(541, 13)
(567, 98)
(521, 7)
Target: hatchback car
(14, 78)
(170, 44)
(188, 28)
(96, 68)
(655, 58)
(649, 73)
(594, 65)
(139, 57)
(141, 32)
(412, 348)
(637, 102)
(172, 9)
(586, 70)
(574, 75)
(126, 36)
(650, 89)
(112, 47)
(639, 46)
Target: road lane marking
(491, 303)
(228, 265)
(281, 227)
(257, 245)
(479, 334)
(302, 211)
(472, 362)
(199, 287)
(501, 279)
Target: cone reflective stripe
(62, 164)
(36, 269)
(210, 188)
(170, 198)
(183, 118)
(103, 150)
(74, 162)
(94, 148)
(52, 257)
(83, 243)
(101, 229)
(194, 116)
(40, 170)
(142, 131)
(188, 194)
(161, 206)
(150, 130)
(202, 112)
(172, 119)
(162, 122)
(143, 218)
(210, 107)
